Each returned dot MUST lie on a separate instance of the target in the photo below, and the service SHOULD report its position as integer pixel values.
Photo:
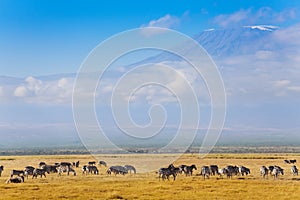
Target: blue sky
(49, 37)
(43, 43)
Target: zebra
(28, 171)
(101, 162)
(65, 168)
(18, 179)
(188, 170)
(244, 170)
(167, 172)
(92, 169)
(50, 168)
(205, 172)
(17, 173)
(264, 171)
(1, 169)
(117, 170)
(294, 170)
(232, 170)
(181, 167)
(130, 168)
(37, 171)
(214, 170)
(276, 171)
(223, 171)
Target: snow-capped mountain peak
(263, 27)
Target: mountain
(227, 42)
(242, 40)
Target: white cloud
(21, 91)
(167, 21)
(34, 90)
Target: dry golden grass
(145, 185)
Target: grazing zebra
(101, 162)
(50, 168)
(223, 171)
(205, 172)
(232, 170)
(214, 170)
(293, 161)
(244, 170)
(188, 170)
(92, 163)
(117, 170)
(264, 171)
(181, 167)
(276, 171)
(92, 170)
(130, 168)
(17, 173)
(18, 179)
(1, 169)
(28, 171)
(65, 168)
(41, 172)
(165, 173)
(294, 170)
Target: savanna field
(146, 185)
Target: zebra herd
(18, 176)
(214, 170)
(276, 171)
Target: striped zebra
(205, 172)
(264, 171)
(188, 170)
(165, 173)
(28, 170)
(117, 170)
(1, 169)
(50, 168)
(17, 173)
(232, 170)
(130, 168)
(18, 179)
(223, 171)
(65, 168)
(92, 169)
(277, 171)
(37, 172)
(244, 170)
(294, 170)
(214, 169)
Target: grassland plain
(145, 184)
